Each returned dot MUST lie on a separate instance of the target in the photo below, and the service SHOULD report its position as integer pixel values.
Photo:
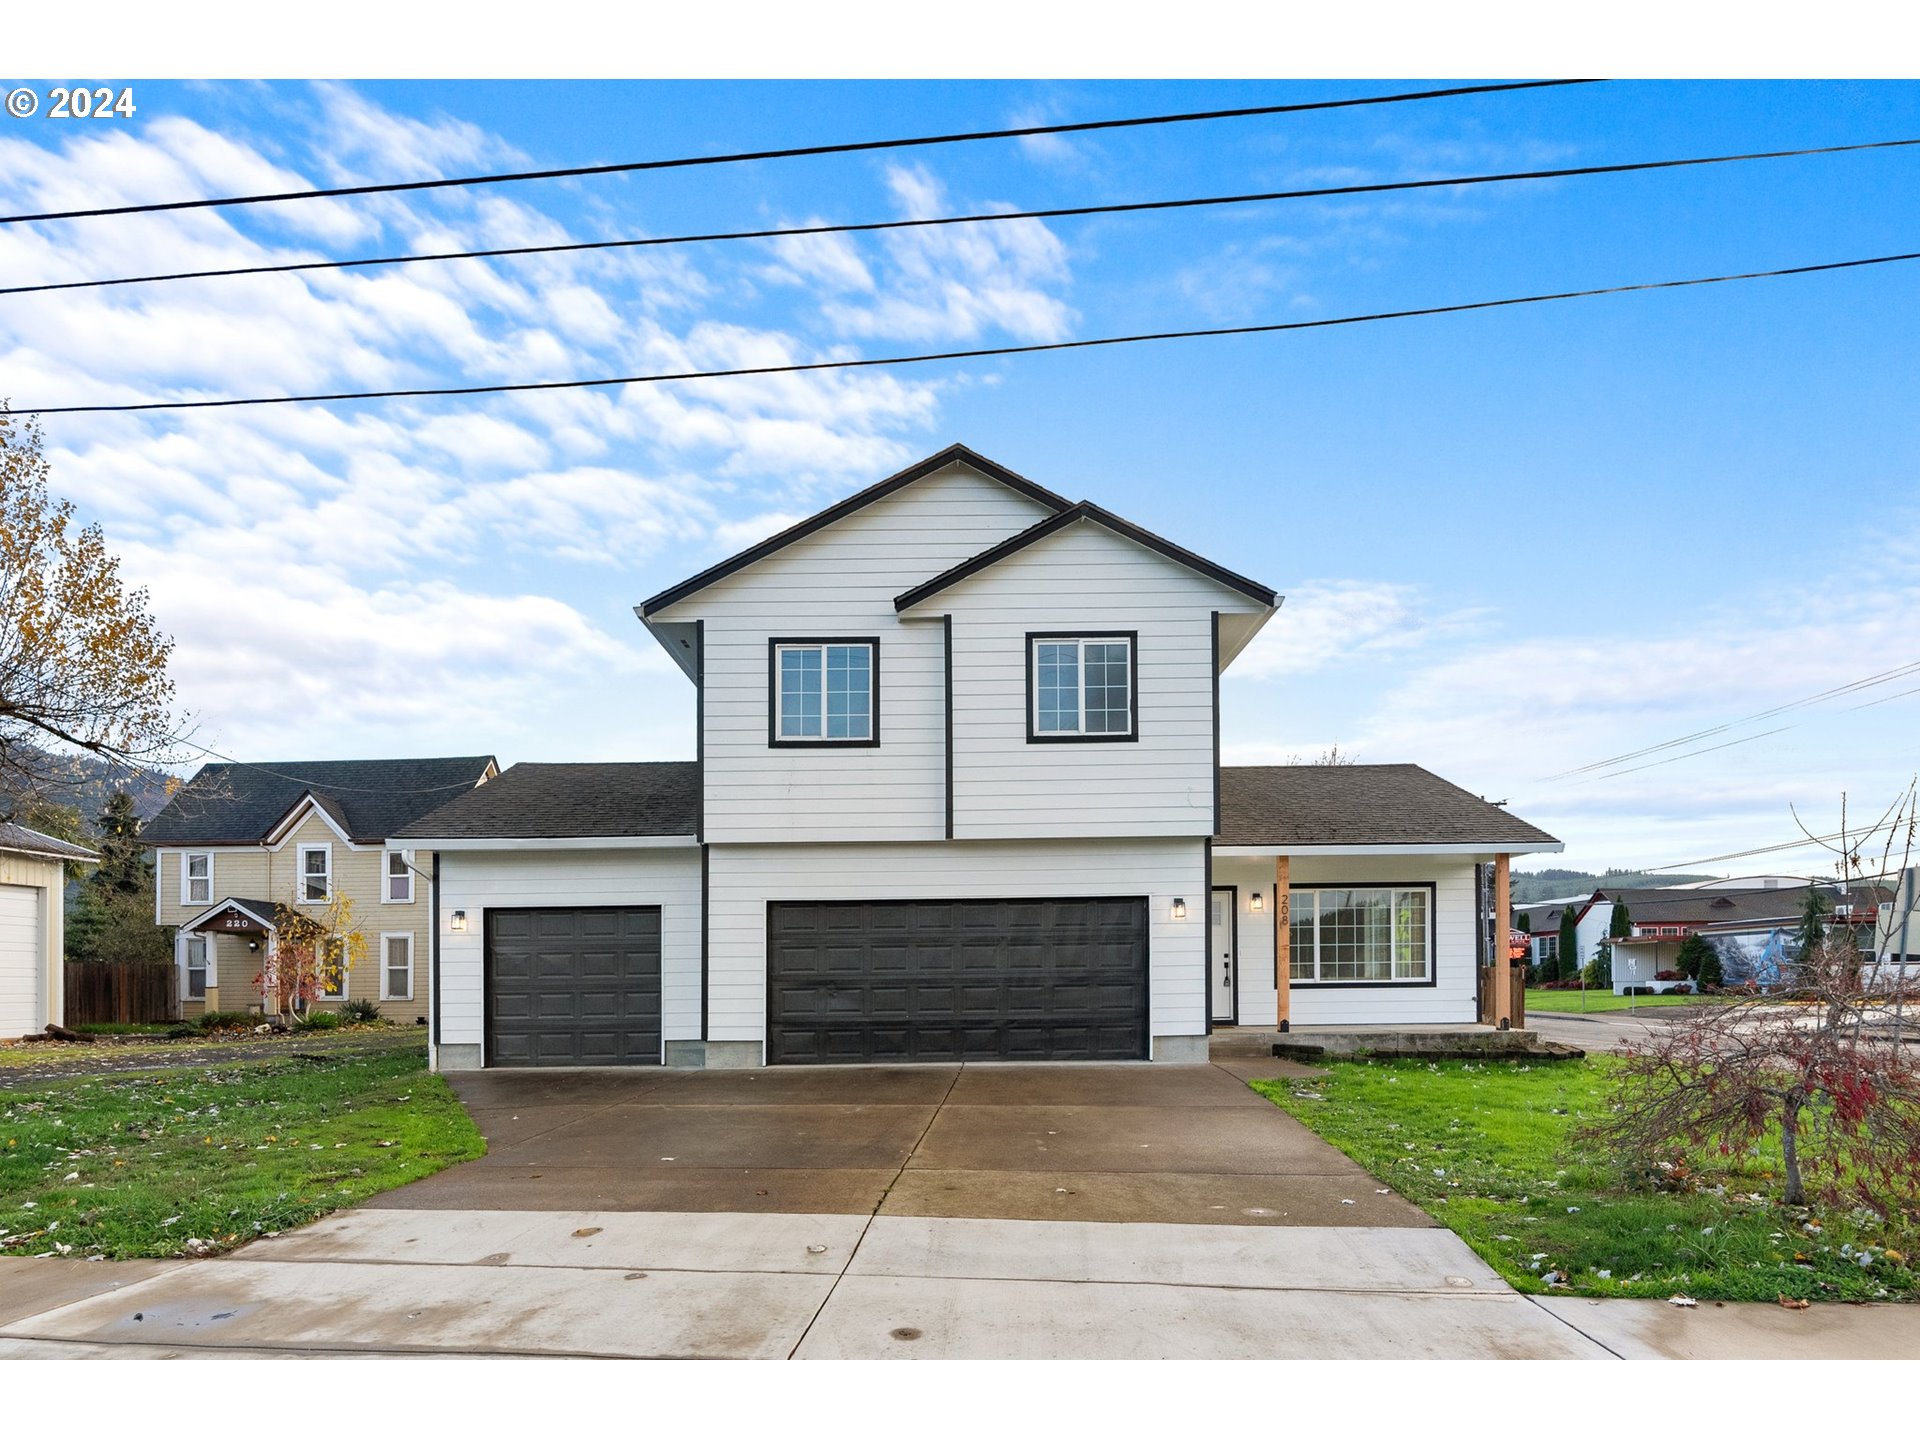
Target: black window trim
(1432, 888)
(774, 739)
(1132, 637)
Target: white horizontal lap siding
(1085, 579)
(742, 879)
(32, 977)
(1452, 999)
(476, 881)
(841, 582)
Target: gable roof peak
(953, 454)
(1086, 510)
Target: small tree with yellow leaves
(312, 956)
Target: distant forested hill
(88, 782)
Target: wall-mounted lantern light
(1258, 903)
(459, 922)
(1179, 909)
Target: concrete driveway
(932, 1211)
(1187, 1144)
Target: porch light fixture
(1179, 909)
(1258, 903)
(458, 924)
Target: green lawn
(137, 1164)
(1562, 1001)
(1485, 1149)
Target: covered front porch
(1342, 941)
(221, 953)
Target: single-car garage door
(906, 980)
(573, 987)
(23, 968)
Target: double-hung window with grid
(825, 692)
(1353, 935)
(1081, 687)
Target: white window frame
(386, 990)
(387, 877)
(334, 997)
(187, 857)
(778, 735)
(206, 968)
(1430, 897)
(300, 873)
(1128, 639)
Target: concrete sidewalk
(623, 1284)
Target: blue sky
(1512, 543)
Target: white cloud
(1327, 623)
(959, 281)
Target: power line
(981, 353)
(869, 227)
(1689, 754)
(1881, 678)
(797, 151)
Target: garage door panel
(957, 980)
(573, 987)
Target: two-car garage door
(851, 981)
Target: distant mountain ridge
(1531, 886)
(89, 782)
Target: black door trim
(1232, 892)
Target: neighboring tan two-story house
(957, 796)
(237, 842)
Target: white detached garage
(32, 958)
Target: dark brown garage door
(886, 980)
(573, 987)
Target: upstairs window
(824, 692)
(399, 879)
(196, 879)
(1081, 687)
(316, 874)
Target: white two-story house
(957, 796)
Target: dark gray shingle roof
(32, 842)
(1715, 907)
(371, 799)
(1359, 805)
(529, 802)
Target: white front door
(1221, 923)
(23, 963)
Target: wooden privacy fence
(121, 993)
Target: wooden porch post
(1282, 943)
(1502, 964)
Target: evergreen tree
(1622, 923)
(1567, 962)
(1813, 924)
(1698, 958)
(111, 918)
